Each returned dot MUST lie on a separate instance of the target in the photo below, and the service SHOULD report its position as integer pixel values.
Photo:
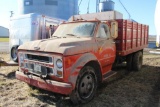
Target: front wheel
(86, 86)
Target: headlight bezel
(21, 57)
(59, 63)
(58, 66)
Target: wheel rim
(86, 86)
(14, 53)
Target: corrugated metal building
(62, 9)
(4, 32)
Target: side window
(50, 28)
(103, 31)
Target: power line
(79, 6)
(125, 9)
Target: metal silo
(107, 5)
(54, 8)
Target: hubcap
(86, 86)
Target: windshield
(82, 29)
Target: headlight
(21, 60)
(59, 63)
(21, 57)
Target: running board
(109, 74)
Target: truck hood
(66, 46)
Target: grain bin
(62, 9)
(107, 5)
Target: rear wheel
(137, 61)
(86, 86)
(129, 62)
(14, 53)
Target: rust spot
(80, 67)
(75, 73)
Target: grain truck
(81, 53)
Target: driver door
(106, 47)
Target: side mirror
(114, 29)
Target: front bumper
(50, 85)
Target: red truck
(80, 56)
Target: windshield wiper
(56, 36)
(73, 35)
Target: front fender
(78, 65)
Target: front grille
(40, 64)
(39, 58)
(44, 69)
(29, 66)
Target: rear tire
(14, 53)
(129, 62)
(137, 61)
(86, 86)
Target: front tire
(86, 86)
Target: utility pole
(88, 7)
(11, 12)
(97, 6)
